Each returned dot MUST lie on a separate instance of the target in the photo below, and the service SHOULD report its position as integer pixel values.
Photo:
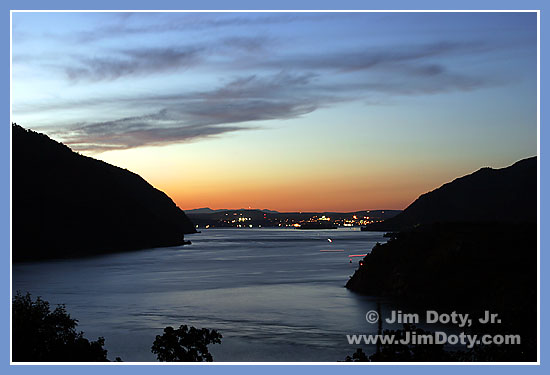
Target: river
(272, 293)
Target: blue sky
(261, 101)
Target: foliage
(43, 335)
(185, 344)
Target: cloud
(191, 116)
(141, 61)
(129, 134)
(133, 62)
(249, 53)
(242, 103)
(252, 53)
(279, 87)
(365, 58)
(176, 22)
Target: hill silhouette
(470, 245)
(466, 267)
(66, 204)
(488, 195)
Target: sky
(286, 111)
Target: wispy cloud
(134, 132)
(366, 58)
(241, 104)
(133, 62)
(249, 53)
(114, 64)
(190, 116)
(137, 24)
(268, 83)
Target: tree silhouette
(185, 344)
(43, 335)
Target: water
(272, 293)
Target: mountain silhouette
(487, 195)
(470, 246)
(65, 204)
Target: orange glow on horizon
(198, 175)
(294, 196)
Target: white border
(11, 231)
(537, 11)
(276, 11)
(538, 187)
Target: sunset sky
(286, 111)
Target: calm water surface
(272, 293)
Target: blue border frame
(6, 5)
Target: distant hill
(268, 218)
(204, 210)
(208, 210)
(488, 195)
(66, 204)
